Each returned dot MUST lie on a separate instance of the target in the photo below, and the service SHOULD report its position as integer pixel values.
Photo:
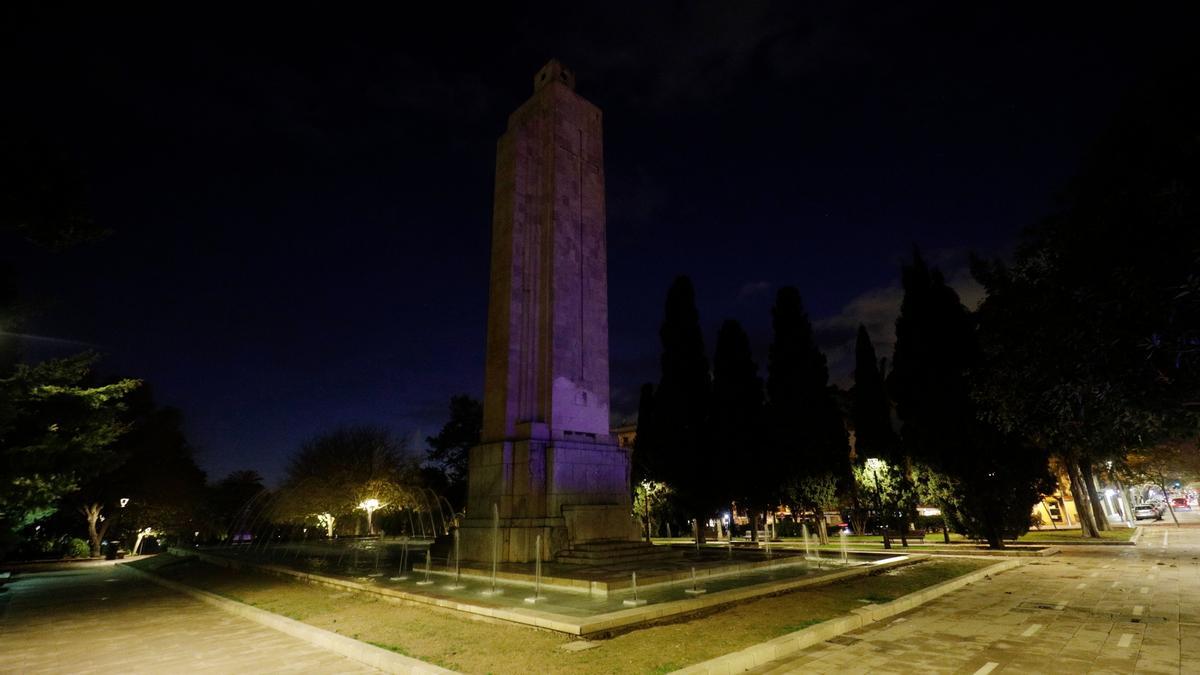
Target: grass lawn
(477, 645)
(1037, 536)
(875, 542)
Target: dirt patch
(473, 644)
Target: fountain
(767, 536)
(690, 591)
(402, 573)
(804, 533)
(457, 583)
(428, 563)
(537, 574)
(845, 556)
(378, 546)
(495, 549)
(634, 601)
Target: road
(1093, 609)
(96, 617)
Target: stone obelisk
(546, 459)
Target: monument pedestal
(568, 492)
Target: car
(1180, 503)
(1147, 511)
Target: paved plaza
(1091, 609)
(98, 618)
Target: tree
(1162, 466)
(888, 480)
(57, 430)
(996, 476)
(678, 448)
(151, 479)
(1092, 331)
(737, 408)
(451, 447)
(332, 474)
(229, 497)
(806, 435)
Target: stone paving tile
(101, 619)
(1097, 609)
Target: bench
(911, 535)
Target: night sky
(300, 197)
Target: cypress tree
(680, 447)
(736, 415)
(993, 477)
(807, 437)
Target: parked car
(1147, 511)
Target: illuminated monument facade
(546, 459)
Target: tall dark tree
(806, 435)
(451, 447)
(874, 437)
(995, 478)
(870, 407)
(679, 448)
(737, 408)
(230, 500)
(643, 443)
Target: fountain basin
(581, 614)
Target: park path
(97, 617)
(1091, 609)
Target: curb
(375, 657)
(760, 654)
(1136, 535)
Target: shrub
(77, 548)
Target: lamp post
(873, 465)
(646, 507)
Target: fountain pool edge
(607, 622)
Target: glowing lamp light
(124, 501)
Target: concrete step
(615, 553)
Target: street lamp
(873, 465)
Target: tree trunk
(699, 524)
(822, 531)
(1098, 513)
(945, 531)
(329, 527)
(993, 538)
(753, 517)
(1123, 502)
(92, 513)
(1080, 496)
(1167, 498)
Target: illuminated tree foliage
(334, 472)
(57, 430)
